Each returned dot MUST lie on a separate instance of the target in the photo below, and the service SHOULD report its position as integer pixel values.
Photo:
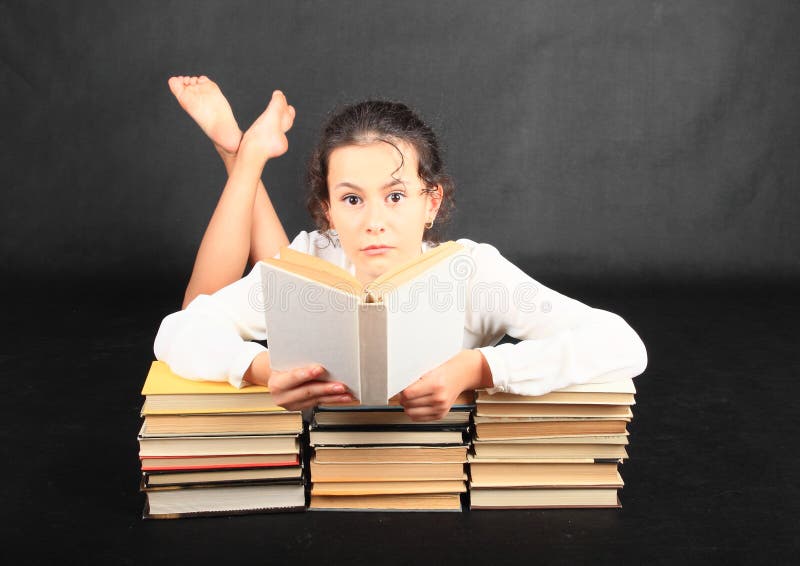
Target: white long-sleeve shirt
(562, 341)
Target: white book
(378, 338)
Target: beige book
(559, 397)
(361, 418)
(216, 445)
(401, 502)
(520, 474)
(225, 424)
(364, 333)
(176, 502)
(549, 428)
(156, 463)
(222, 476)
(554, 410)
(385, 472)
(576, 439)
(523, 419)
(492, 450)
(390, 454)
(359, 437)
(489, 498)
(389, 487)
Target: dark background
(639, 156)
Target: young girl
(377, 186)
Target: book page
(308, 322)
(316, 269)
(425, 323)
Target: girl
(377, 186)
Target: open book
(377, 338)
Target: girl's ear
(434, 201)
(328, 216)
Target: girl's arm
(226, 245)
(562, 341)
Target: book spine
(372, 341)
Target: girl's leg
(267, 235)
(244, 223)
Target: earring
(429, 225)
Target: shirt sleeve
(211, 339)
(562, 341)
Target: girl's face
(375, 202)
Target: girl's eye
(396, 200)
(349, 199)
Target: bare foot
(266, 138)
(205, 103)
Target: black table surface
(712, 474)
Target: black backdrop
(654, 140)
(639, 156)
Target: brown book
(548, 428)
(385, 472)
(389, 487)
(390, 454)
(224, 424)
(520, 474)
(402, 502)
(543, 498)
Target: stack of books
(207, 448)
(562, 449)
(377, 458)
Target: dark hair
(367, 122)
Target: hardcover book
(376, 338)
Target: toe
(194, 80)
(175, 85)
(202, 79)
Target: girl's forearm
(259, 371)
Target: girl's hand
(431, 396)
(300, 388)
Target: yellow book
(376, 338)
(167, 393)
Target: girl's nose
(375, 227)
(375, 221)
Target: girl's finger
(335, 399)
(311, 391)
(425, 401)
(295, 377)
(421, 412)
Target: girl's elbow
(630, 346)
(636, 348)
